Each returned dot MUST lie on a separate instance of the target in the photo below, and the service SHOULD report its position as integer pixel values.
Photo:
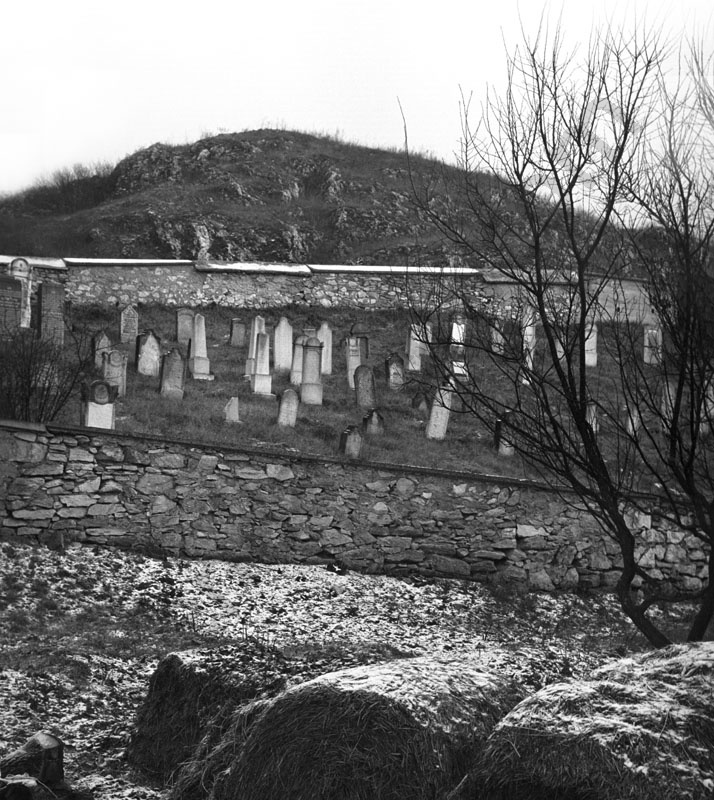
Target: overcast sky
(86, 80)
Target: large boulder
(641, 728)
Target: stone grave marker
(10, 305)
(365, 390)
(359, 331)
(653, 346)
(237, 334)
(97, 410)
(289, 404)
(351, 442)
(101, 344)
(310, 332)
(173, 375)
(529, 342)
(114, 369)
(231, 410)
(198, 364)
(283, 349)
(373, 423)
(22, 271)
(416, 347)
(591, 346)
(324, 334)
(633, 420)
(311, 386)
(257, 326)
(298, 359)
(394, 367)
(261, 381)
(50, 299)
(148, 354)
(353, 357)
(440, 411)
(184, 325)
(128, 324)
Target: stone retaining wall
(106, 488)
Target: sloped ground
(81, 632)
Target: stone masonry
(107, 488)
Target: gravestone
(283, 349)
(458, 332)
(148, 354)
(529, 343)
(420, 403)
(22, 271)
(101, 344)
(184, 325)
(310, 332)
(298, 359)
(237, 337)
(653, 346)
(173, 375)
(373, 423)
(311, 386)
(261, 381)
(114, 370)
(417, 345)
(97, 410)
(502, 441)
(591, 345)
(257, 326)
(394, 368)
(353, 357)
(289, 404)
(365, 390)
(10, 305)
(633, 420)
(231, 411)
(324, 334)
(50, 299)
(351, 442)
(440, 411)
(198, 364)
(359, 331)
(128, 324)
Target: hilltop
(265, 195)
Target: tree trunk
(40, 757)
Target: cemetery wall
(61, 485)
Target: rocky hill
(261, 195)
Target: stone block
(279, 472)
(540, 581)
(453, 567)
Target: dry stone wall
(99, 487)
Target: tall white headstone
(198, 364)
(283, 349)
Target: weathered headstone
(653, 346)
(310, 331)
(353, 357)
(101, 344)
(394, 368)
(359, 331)
(173, 375)
(633, 419)
(311, 386)
(591, 345)
(417, 345)
(440, 411)
(184, 325)
(257, 326)
(289, 404)
(365, 389)
(502, 439)
(114, 370)
(50, 299)
(458, 331)
(373, 423)
(148, 354)
(97, 409)
(283, 349)
(298, 358)
(324, 334)
(237, 338)
(198, 364)
(351, 442)
(231, 410)
(261, 381)
(21, 270)
(128, 324)
(10, 305)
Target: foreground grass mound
(639, 729)
(407, 729)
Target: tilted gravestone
(173, 375)
(440, 411)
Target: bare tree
(550, 201)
